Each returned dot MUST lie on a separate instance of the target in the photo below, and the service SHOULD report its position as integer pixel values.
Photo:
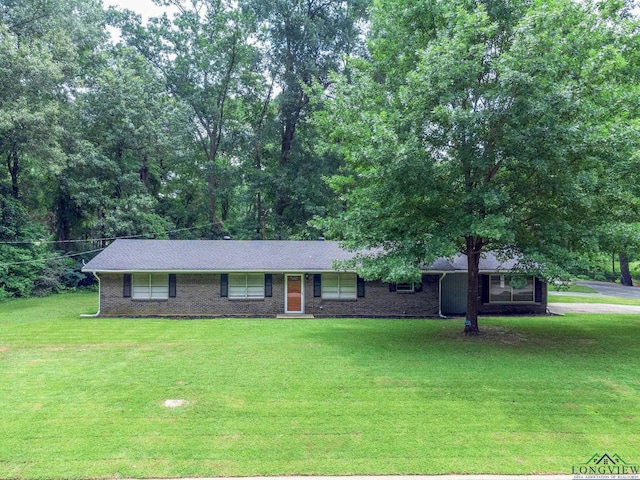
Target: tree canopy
(493, 134)
(424, 127)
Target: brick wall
(539, 308)
(199, 295)
(378, 302)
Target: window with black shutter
(268, 285)
(317, 285)
(538, 290)
(126, 285)
(172, 285)
(224, 285)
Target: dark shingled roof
(245, 256)
(488, 263)
(218, 255)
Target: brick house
(238, 278)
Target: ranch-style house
(246, 278)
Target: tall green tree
(43, 46)
(208, 62)
(121, 154)
(483, 136)
(305, 41)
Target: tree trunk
(13, 164)
(473, 251)
(258, 145)
(283, 196)
(144, 171)
(625, 274)
(215, 224)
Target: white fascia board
(220, 271)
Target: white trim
(217, 272)
(286, 292)
(411, 288)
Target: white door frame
(286, 292)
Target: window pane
(237, 285)
(348, 285)
(255, 285)
(526, 293)
(405, 287)
(141, 287)
(159, 285)
(500, 290)
(330, 286)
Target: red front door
(294, 294)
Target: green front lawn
(571, 288)
(83, 397)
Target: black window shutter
(485, 287)
(224, 285)
(360, 286)
(172, 285)
(392, 287)
(126, 285)
(538, 292)
(317, 285)
(268, 285)
(417, 287)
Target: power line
(69, 255)
(87, 240)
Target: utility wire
(41, 242)
(69, 255)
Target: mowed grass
(572, 288)
(83, 397)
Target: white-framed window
(405, 287)
(150, 286)
(512, 289)
(246, 285)
(339, 286)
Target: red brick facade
(199, 295)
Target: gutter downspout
(440, 295)
(97, 314)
